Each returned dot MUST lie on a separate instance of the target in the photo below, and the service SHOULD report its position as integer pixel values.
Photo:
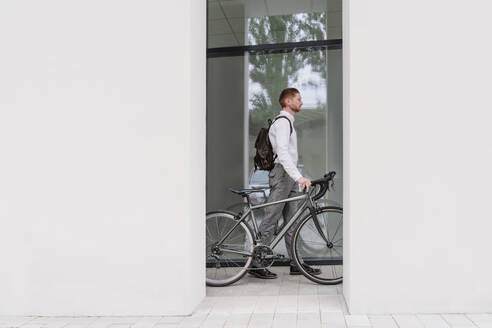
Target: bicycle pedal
(280, 256)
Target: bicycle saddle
(244, 192)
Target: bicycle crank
(263, 256)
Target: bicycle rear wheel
(326, 254)
(228, 262)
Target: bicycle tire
(241, 231)
(305, 227)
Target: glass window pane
(317, 74)
(253, 22)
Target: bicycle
(231, 246)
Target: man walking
(283, 178)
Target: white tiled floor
(289, 301)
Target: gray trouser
(281, 187)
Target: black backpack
(264, 158)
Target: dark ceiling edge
(274, 48)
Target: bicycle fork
(314, 215)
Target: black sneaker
(294, 270)
(262, 273)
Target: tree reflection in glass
(306, 69)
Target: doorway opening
(256, 48)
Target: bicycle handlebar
(324, 184)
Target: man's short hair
(287, 93)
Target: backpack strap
(290, 124)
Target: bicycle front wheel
(320, 245)
(226, 262)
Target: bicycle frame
(308, 203)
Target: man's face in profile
(295, 102)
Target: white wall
(102, 145)
(418, 156)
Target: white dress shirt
(284, 144)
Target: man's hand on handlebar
(305, 183)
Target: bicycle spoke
(337, 252)
(312, 229)
(315, 242)
(311, 247)
(232, 254)
(339, 224)
(208, 231)
(327, 230)
(223, 227)
(235, 237)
